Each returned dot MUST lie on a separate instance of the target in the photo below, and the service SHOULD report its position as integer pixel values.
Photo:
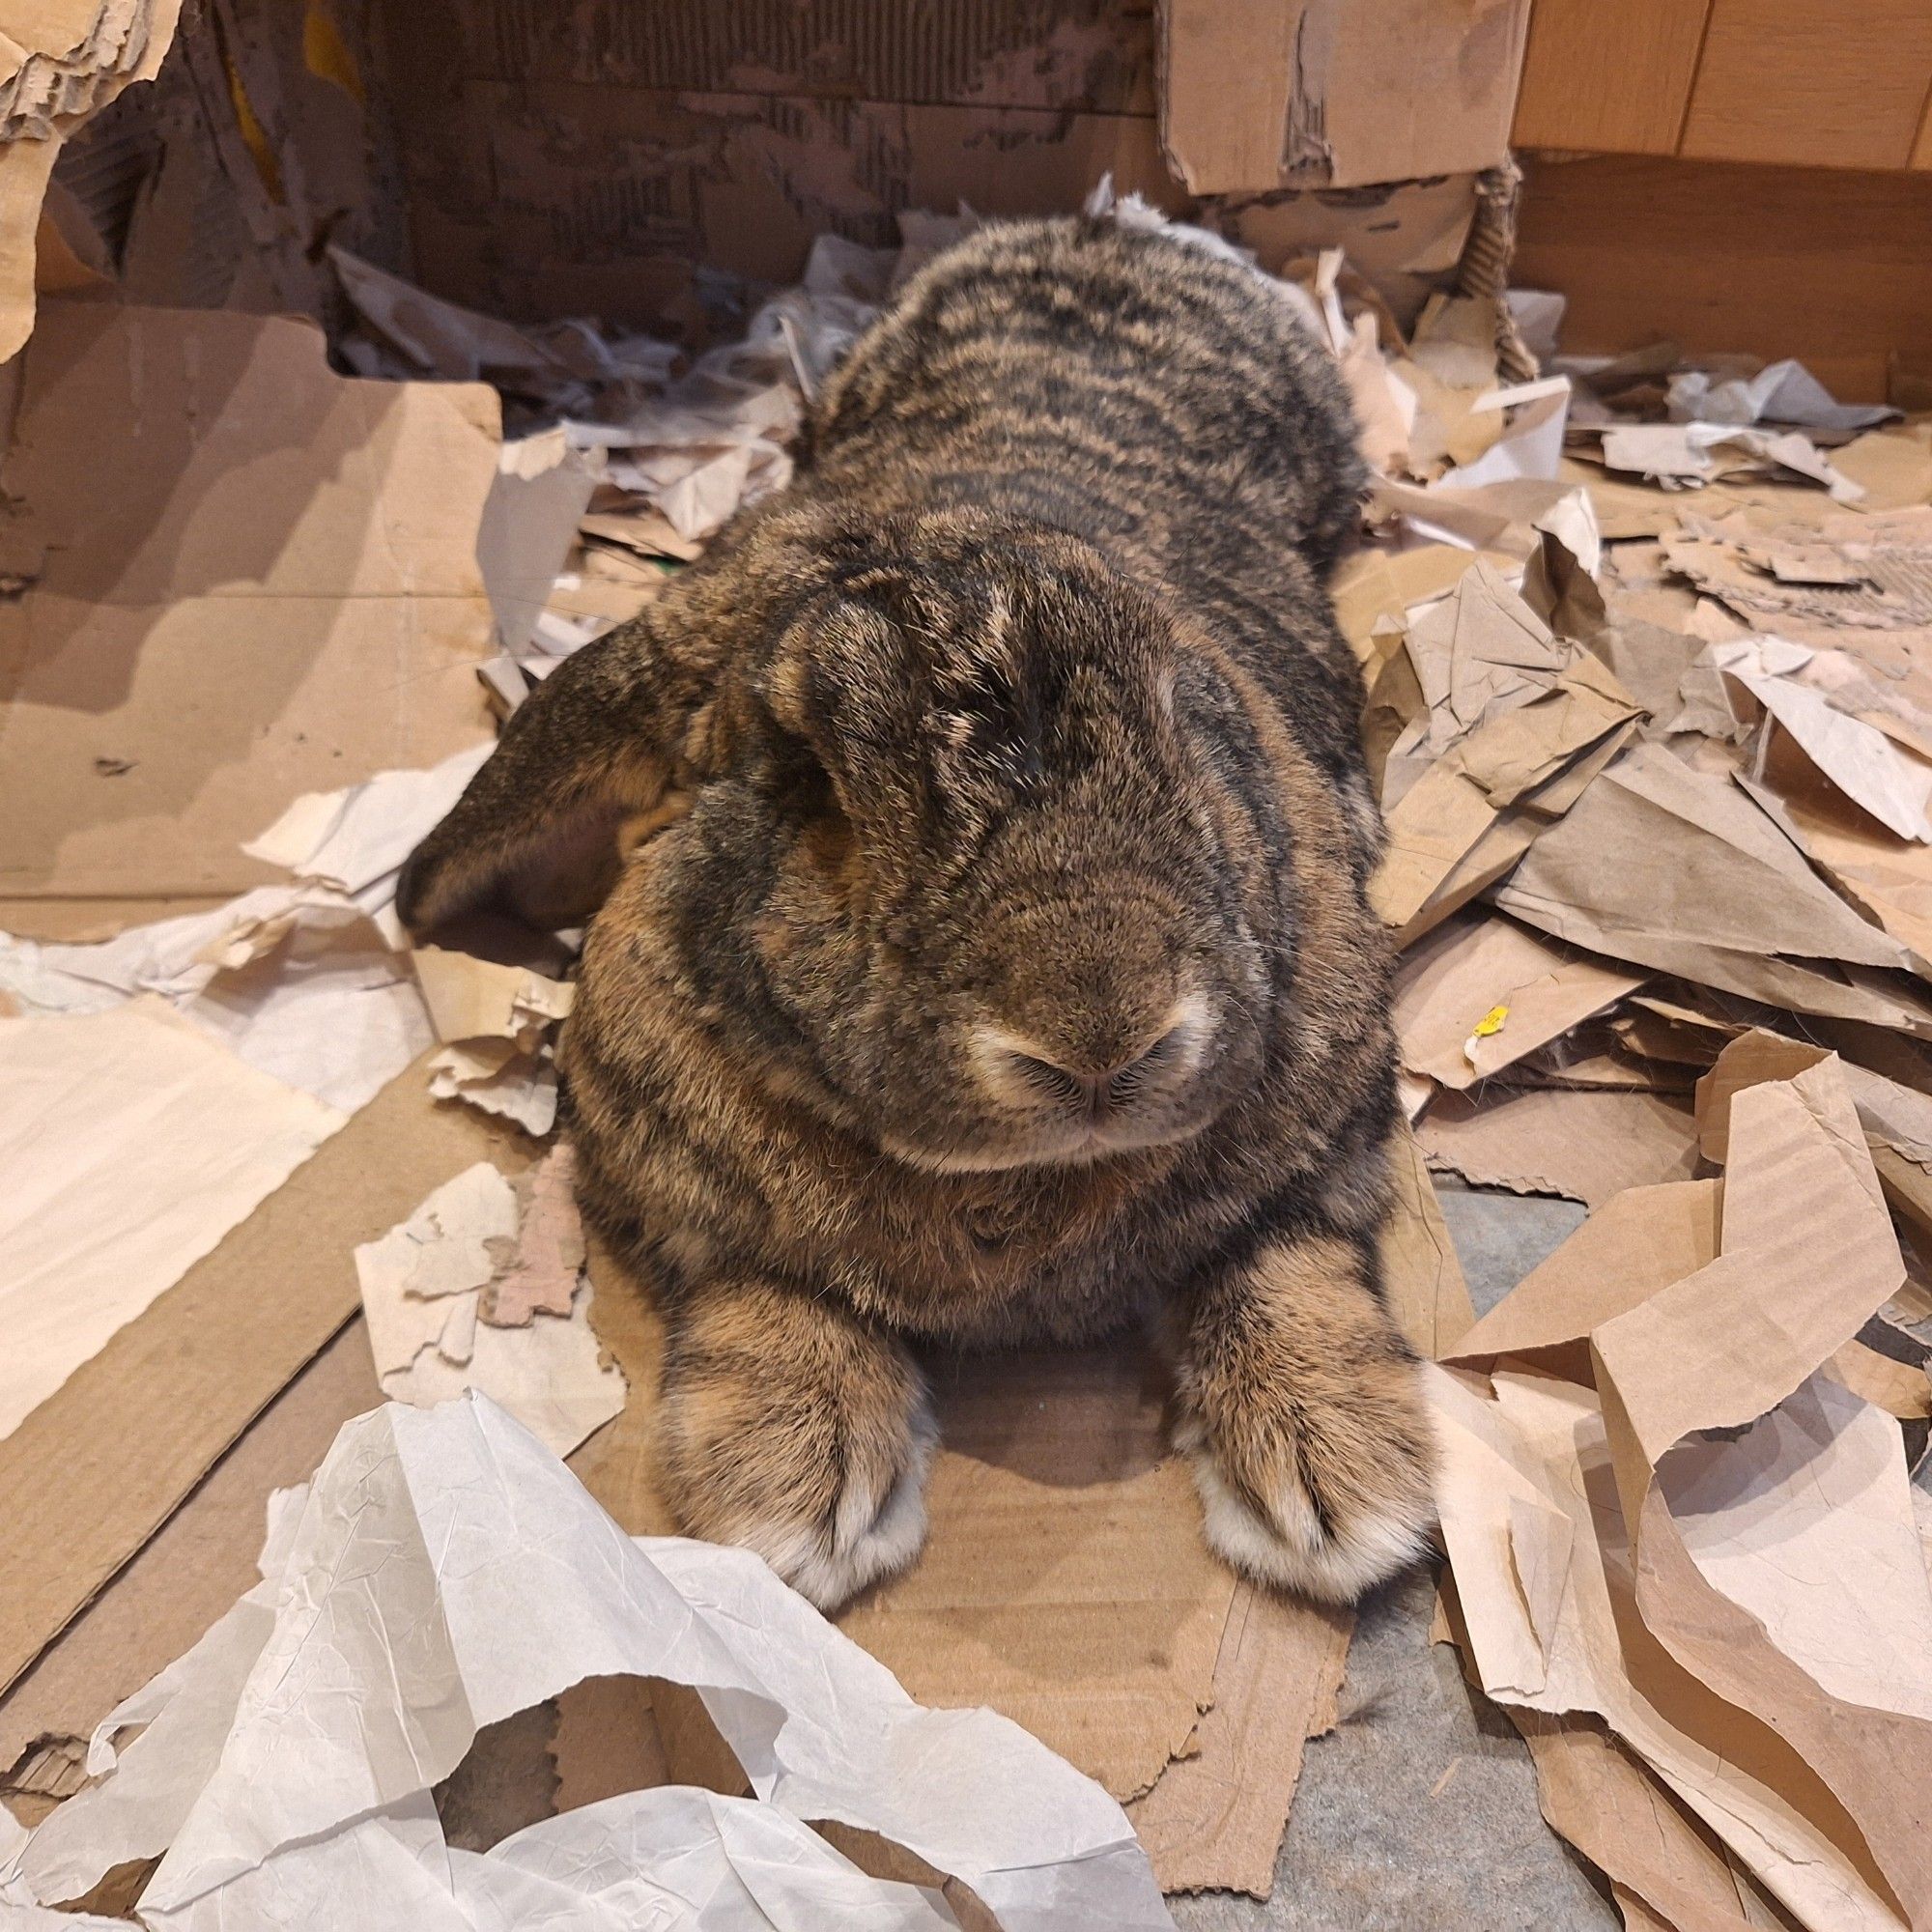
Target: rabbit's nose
(1098, 1085)
(1097, 1089)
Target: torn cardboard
(61, 64)
(275, 588)
(431, 1293)
(1587, 1145)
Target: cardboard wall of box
(640, 161)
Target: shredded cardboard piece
(1215, 1819)
(539, 1275)
(134, 1144)
(1421, 1273)
(59, 66)
(448, 1568)
(1688, 455)
(427, 1283)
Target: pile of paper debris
(1650, 708)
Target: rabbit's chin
(1073, 1150)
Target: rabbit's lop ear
(539, 828)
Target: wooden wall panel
(1833, 267)
(1832, 84)
(1921, 153)
(1612, 76)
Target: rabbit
(978, 840)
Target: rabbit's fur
(991, 960)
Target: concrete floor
(1417, 1813)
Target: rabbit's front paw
(1302, 1413)
(790, 1429)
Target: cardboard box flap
(1257, 95)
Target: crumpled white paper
(1783, 393)
(447, 1572)
(298, 980)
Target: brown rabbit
(990, 959)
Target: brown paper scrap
(1858, 759)
(540, 1273)
(1638, 1242)
(1481, 992)
(1666, 867)
(1777, 1561)
(1588, 1146)
(1438, 822)
(1524, 1455)
(1595, 1794)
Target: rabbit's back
(1101, 374)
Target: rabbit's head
(976, 847)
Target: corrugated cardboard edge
(97, 1468)
(26, 165)
(1214, 1820)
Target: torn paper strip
(355, 838)
(501, 1078)
(131, 1143)
(447, 1573)
(427, 1283)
